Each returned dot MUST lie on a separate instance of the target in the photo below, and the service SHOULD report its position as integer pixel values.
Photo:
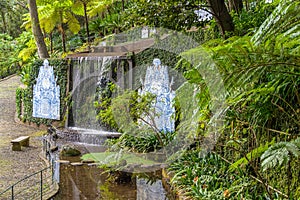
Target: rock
(147, 166)
(94, 164)
(69, 150)
(63, 161)
(123, 163)
(121, 176)
(53, 148)
(76, 164)
(164, 166)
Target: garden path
(15, 165)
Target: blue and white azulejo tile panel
(157, 82)
(46, 94)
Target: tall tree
(221, 15)
(84, 4)
(236, 5)
(36, 29)
(58, 14)
(11, 14)
(90, 8)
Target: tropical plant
(56, 14)
(15, 52)
(102, 103)
(36, 30)
(11, 14)
(175, 15)
(201, 176)
(282, 153)
(261, 77)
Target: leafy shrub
(202, 176)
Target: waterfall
(86, 74)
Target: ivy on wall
(24, 95)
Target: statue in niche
(46, 94)
(157, 82)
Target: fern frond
(297, 142)
(279, 154)
(77, 8)
(73, 23)
(98, 7)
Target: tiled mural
(157, 82)
(46, 94)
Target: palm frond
(284, 19)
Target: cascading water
(86, 74)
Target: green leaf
(255, 153)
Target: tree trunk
(236, 5)
(62, 32)
(221, 15)
(123, 5)
(4, 22)
(86, 23)
(51, 41)
(36, 29)
(63, 38)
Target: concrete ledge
(8, 77)
(53, 191)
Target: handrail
(40, 188)
(34, 190)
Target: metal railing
(34, 186)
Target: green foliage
(98, 7)
(141, 141)
(24, 95)
(57, 12)
(15, 52)
(261, 78)
(125, 113)
(28, 49)
(8, 56)
(201, 176)
(11, 13)
(174, 15)
(248, 20)
(280, 153)
(103, 104)
(252, 155)
(282, 24)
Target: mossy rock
(68, 150)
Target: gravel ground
(15, 165)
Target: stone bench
(20, 141)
